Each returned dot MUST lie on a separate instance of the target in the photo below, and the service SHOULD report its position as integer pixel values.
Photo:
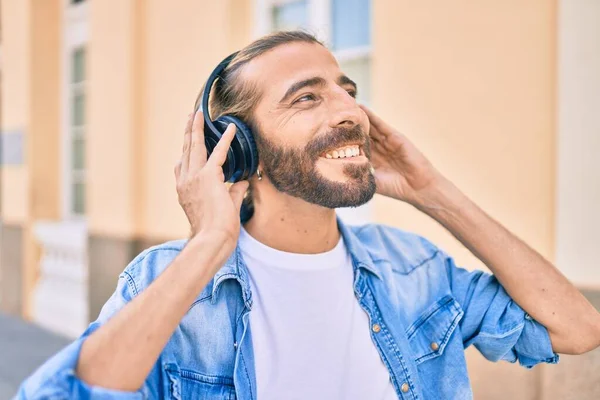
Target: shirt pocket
(431, 332)
(184, 384)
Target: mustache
(338, 137)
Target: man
(296, 305)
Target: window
(289, 15)
(75, 57)
(351, 41)
(350, 23)
(344, 25)
(77, 132)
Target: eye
(352, 93)
(305, 98)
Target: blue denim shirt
(423, 310)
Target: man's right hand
(211, 208)
(122, 352)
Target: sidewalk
(23, 347)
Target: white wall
(578, 175)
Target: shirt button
(527, 316)
(376, 328)
(404, 387)
(434, 346)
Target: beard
(294, 171)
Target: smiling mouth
(351, 151)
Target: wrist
(439, 199)
(216, 243)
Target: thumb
(237, 191)
(381, 182)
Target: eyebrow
(315, 81)
(344, 80)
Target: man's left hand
(402, 172)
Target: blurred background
(502, 95)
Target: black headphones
(242, 157)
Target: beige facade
(501, 95)
(474, 86)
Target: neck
(293, 225)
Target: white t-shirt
(310, 336)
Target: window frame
(319, 23)
(75, 36)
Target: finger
(382, 129)
(376, 135)
(177, 169)
(383, 148)
(185, 156)
(379, 181)
(237, 192)
(197, 147)
(377, 158)
(378, 144)
(219, 154)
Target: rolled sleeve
(534, 346)
(496, 325)
(56, 378)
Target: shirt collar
(234, 267)
(360, 256)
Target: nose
(344, 110)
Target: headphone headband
(208, 87)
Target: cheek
(364, 122)
(297, 129)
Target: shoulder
(403, 250)
(150, 263)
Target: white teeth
(344, 153)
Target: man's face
(312, 136)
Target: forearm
(121, 353)
(533, 282)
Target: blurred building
(503, 97)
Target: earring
(258, 174)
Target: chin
(351, 186)
(352, 192)
(357, 199)
(344, 171)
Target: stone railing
(60, 299)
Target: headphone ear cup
(243, 149)
(252, 155)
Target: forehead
(279, 68)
